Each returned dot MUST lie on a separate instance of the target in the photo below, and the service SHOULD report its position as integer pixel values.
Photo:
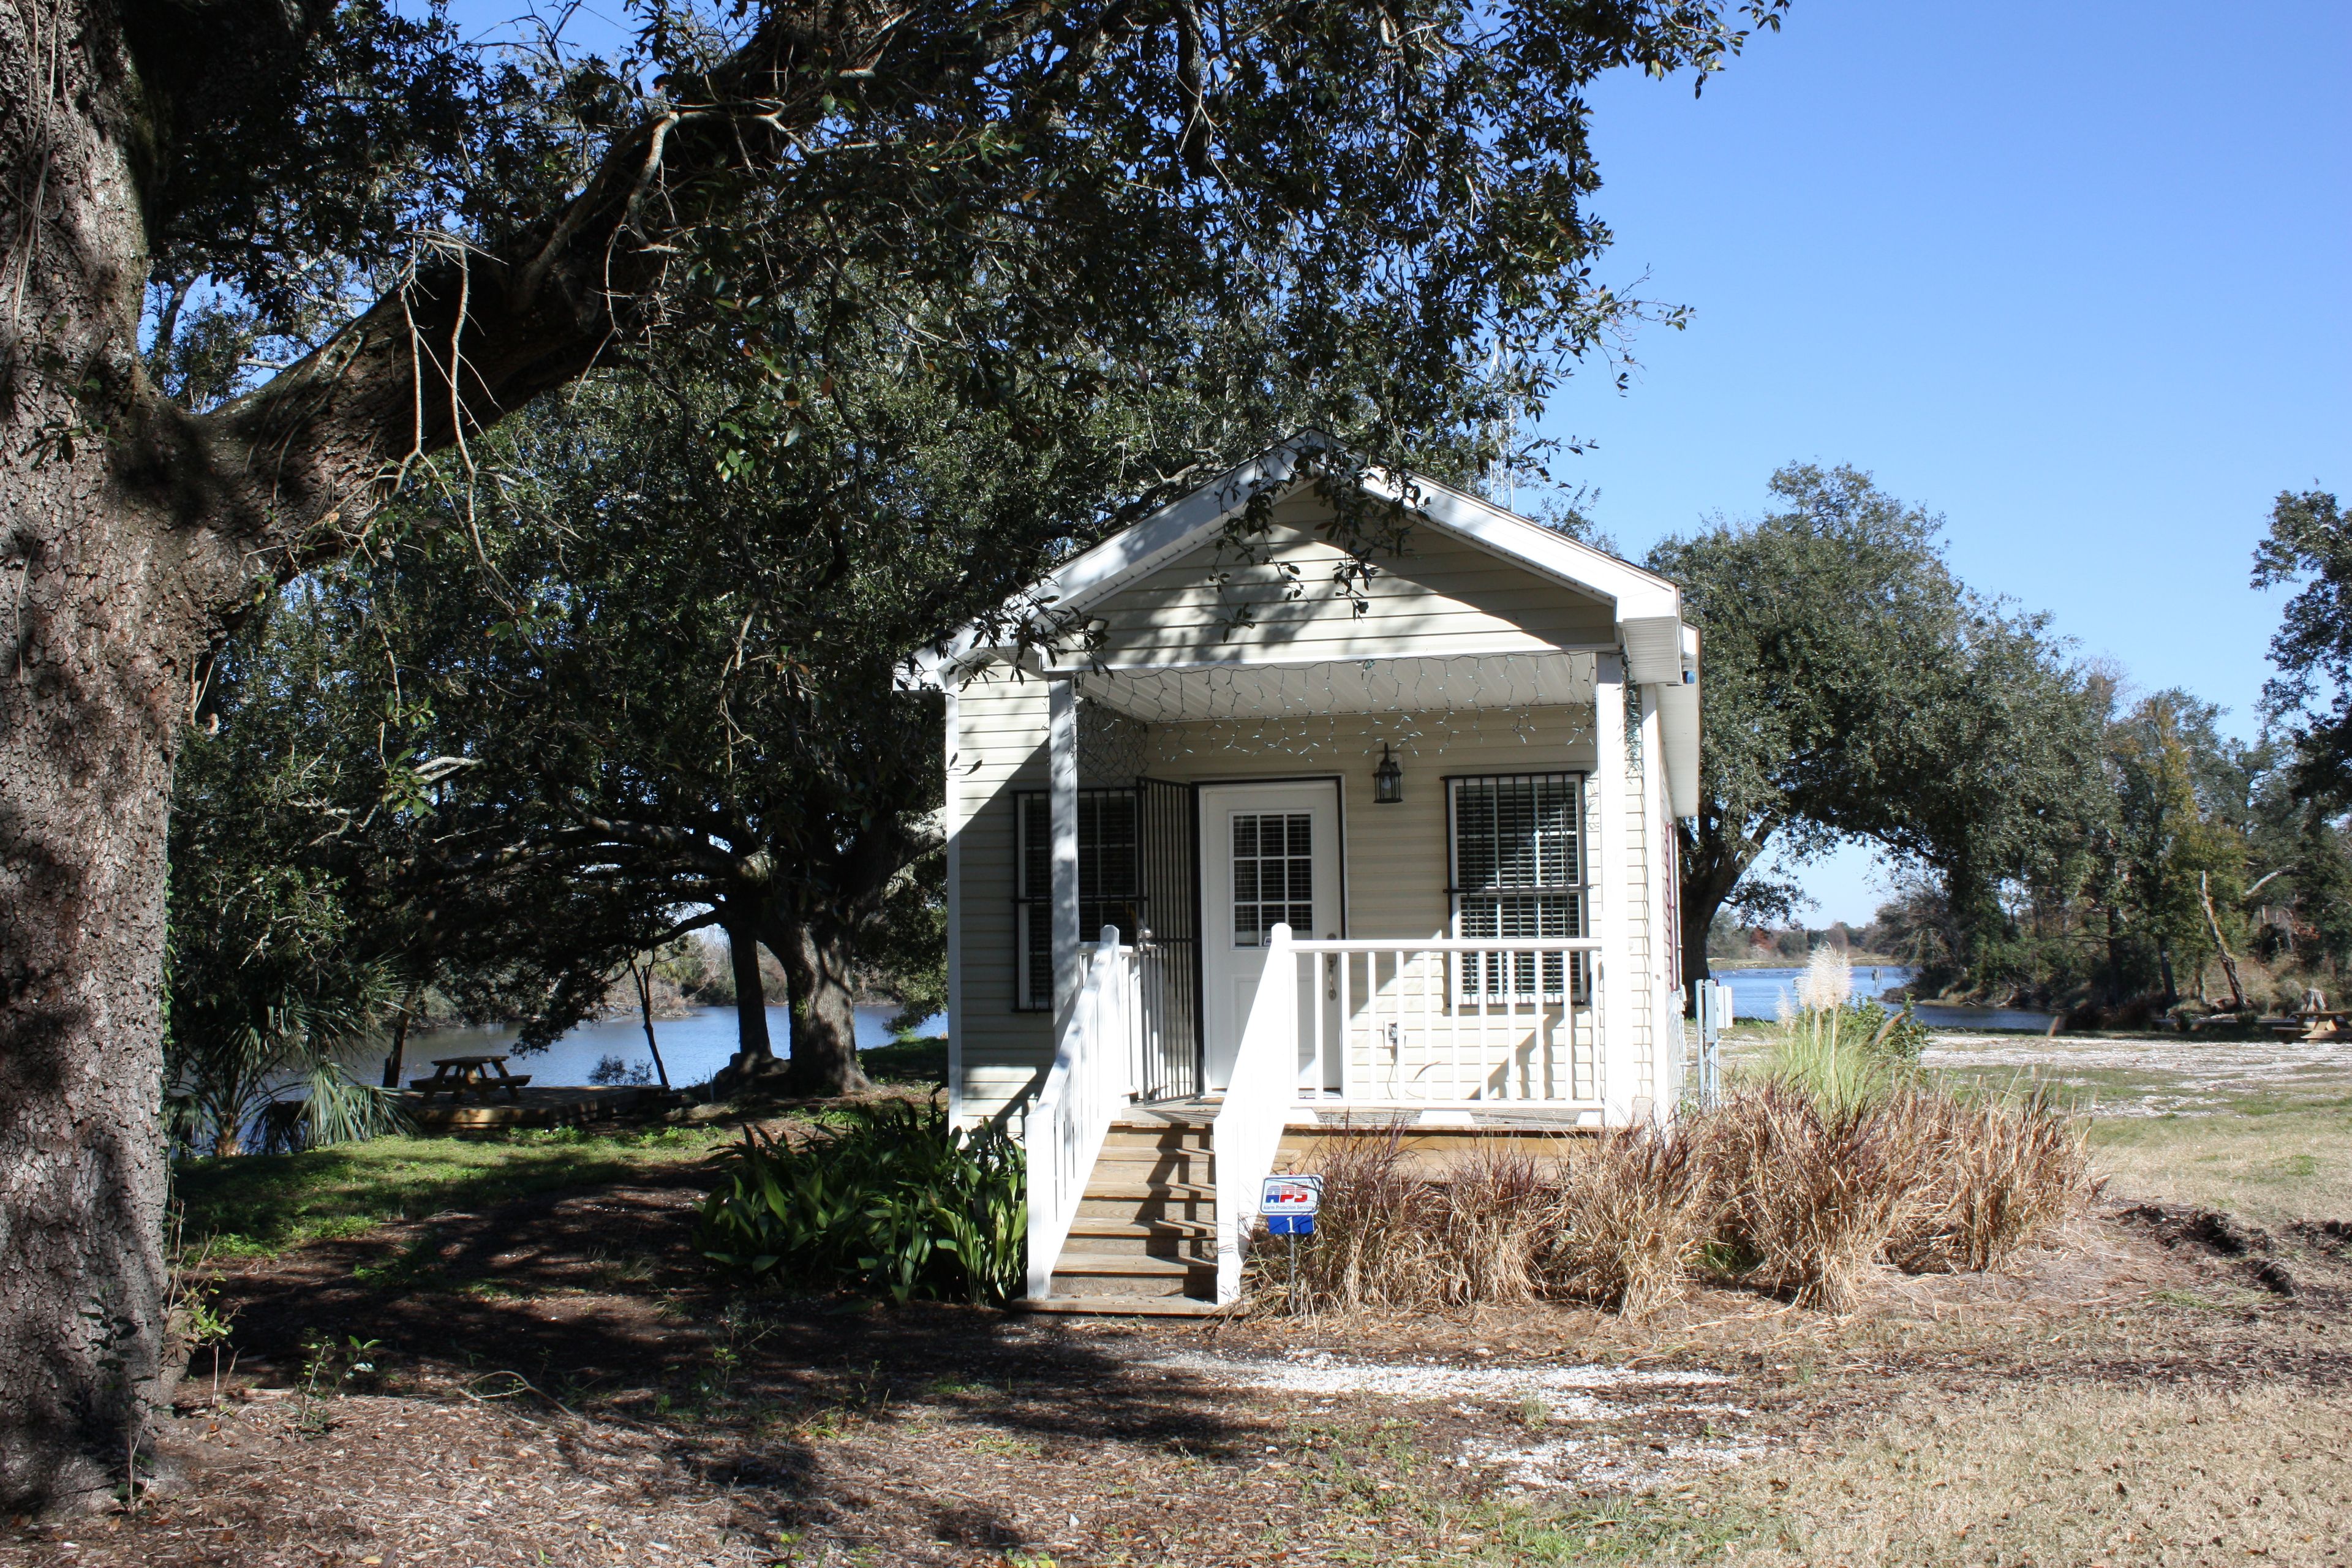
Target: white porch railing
(1413, 1022)
(1403, 1025)
(1085, 1090)
(1259, 1094)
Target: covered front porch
(1267, 900)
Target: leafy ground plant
(895, 1202)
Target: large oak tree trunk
(750, 999)
(818, 956)
(106, 594)
(89, 701)
(134, 532)
(1710, 867)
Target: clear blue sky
(2074, 276)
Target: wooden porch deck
(1434, 1139)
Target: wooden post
(1611, 880)
(1062, 795)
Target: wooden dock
(557, 1105)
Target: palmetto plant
(269, 982)
(894, 1201)
(265, 1077)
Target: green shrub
(1846, 1057)
(895, 1202)
(1896, 1038)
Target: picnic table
(460, 1076)
(2318, 1025)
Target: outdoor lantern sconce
(1388, 779)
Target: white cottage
(1256, 856)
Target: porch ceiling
(1196, 693)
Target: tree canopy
(1855, 689)
(2310, 546)
(1026, 200)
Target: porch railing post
(1247, 1136)
(1061, 797)
(1612, 1018)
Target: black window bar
(1110, 882)
(1517, 873)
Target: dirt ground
(552, 1381)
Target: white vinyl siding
(1393, 856)
(1445, 597)
(1633, 879)
(1000, 751)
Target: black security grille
(1139, 869)
(1170, 1067)
(1110, 882)
(1518, 873)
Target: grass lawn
(587, 1396)
(2259, 1127)
(2270, 1165)
(2065, 1474)
(256, 1204)
(921, 1061)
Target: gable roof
(1647, 607)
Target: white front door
(1270, 855)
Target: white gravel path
(1322, 1372)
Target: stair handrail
(1247, 1136)
(1082, 1096)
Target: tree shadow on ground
(592, 1304)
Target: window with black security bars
(1518, 874)
(1110, 882)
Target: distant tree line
(2058, 837)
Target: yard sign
(1290, 1195)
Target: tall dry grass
(1807, 1192)
(1629, 1217)
(1787, 1190)
(1988, 1176)
(1387, 1236)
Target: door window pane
(1273, 874)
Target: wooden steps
(1115, 1306)
(1145, 1238)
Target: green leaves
(1855, 689)
(2310, 546)
(895, 1203)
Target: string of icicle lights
(1417, 706)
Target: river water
(692, 1047)
(1759, 993)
